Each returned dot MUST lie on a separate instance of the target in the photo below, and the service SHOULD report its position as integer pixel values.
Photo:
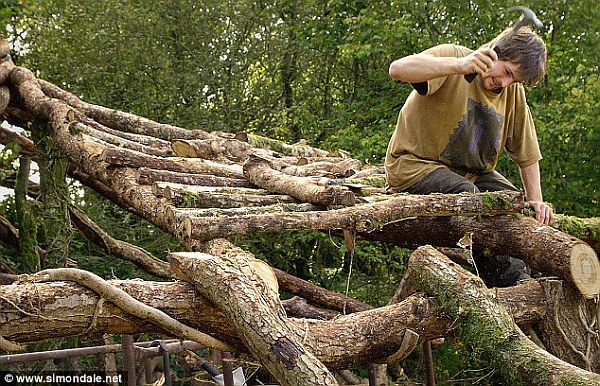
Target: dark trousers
(496, 271)
(444, 180)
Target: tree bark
(544, 248)
(37, 312)
(260, 172)
(120, 120)
(220, 197)
(132, 159)
(280, 147)
(294, 285)
(487, 326)
(148, 176)
(253, 308)
(362, 218)
(586, 229)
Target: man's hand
(543, 212)
(478, 61)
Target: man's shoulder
(448, 50)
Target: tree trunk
(65, 309)
(254, 309)
(484, 324)
(544, 248)
(362, 218)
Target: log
(257, 316)
(121, 120)
(261, 173)
(126, 302)
(220, 197)
(142, 139)
(334, 168)
(362, 218)
(569, 329)
(124, 143)
(586, 229)
(239, 209)
(64, 309)
(294, 285)
(133, 159)
(485, 325)
(544, 248)
(279, 146)
(148, 176)
(226, 149)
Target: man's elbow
(396, 70)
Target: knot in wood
(287, 352)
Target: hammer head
(528, 16)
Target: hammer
(526, 17)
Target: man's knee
(443, 180)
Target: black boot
(502, 270)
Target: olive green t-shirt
(459, 125)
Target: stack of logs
(206, 187)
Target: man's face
(501, 75)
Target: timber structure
(206, 187)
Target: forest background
(297, 70)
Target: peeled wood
(142, 139)
(261, 173)
(227, 149)
(544, 248)
(335, 168)
(257, 316)
(362, 218)
(487, 326)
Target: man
(451, 132)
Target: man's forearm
(422, 67)
(530, 176)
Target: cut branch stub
(250, 305)
(259, 171)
